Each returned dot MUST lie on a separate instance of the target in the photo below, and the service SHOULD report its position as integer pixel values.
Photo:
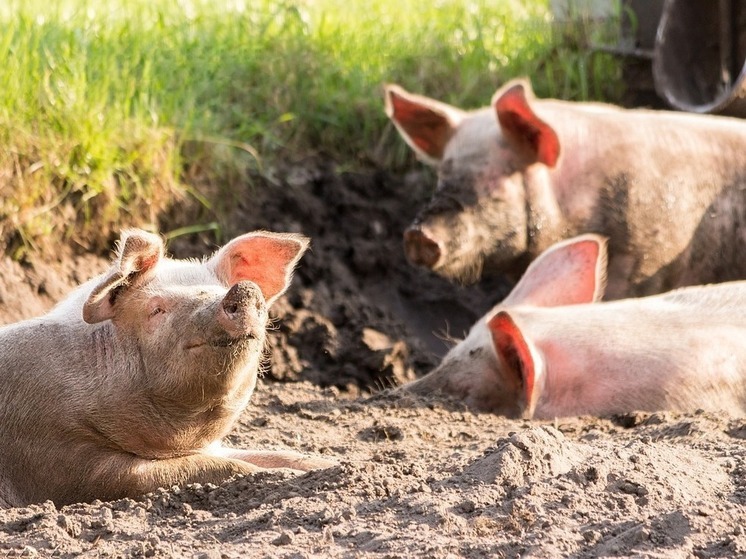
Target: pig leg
(220, 464)
(266, 459)
(144, 476)
(216, 467)
(114, 476)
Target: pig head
(131, 382)
(550, 349)
(522, 174)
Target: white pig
(131, 382)
(549, 350)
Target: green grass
(100, 97)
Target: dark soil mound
(358, 315)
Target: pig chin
(465, 270)
(219, 341)
(468, 267)
(225, 359)
(474, 378)
(245, 341)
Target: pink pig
(549, 350)
(666, 189)
(132, 381)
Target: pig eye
(155, 311)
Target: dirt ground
(416, 478)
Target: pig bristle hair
(471, 273)
(445, 335)
(273, 324)
(264, 362)
(263, 368)
(379, 384)
(384, 383)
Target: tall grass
(100, 96)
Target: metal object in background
(699, 55)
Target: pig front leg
(115, 476)
(215, 466)
(112, 476)
(285, 459)
(145, 476)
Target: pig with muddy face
(548, 350)
(131, 382)
(667, 189)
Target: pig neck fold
(154, 420)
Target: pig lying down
(131, 382)
(668, 189)
(548, 350)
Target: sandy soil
(422, 478)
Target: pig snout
(421, 249)
(243, 312)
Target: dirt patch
(415, 477)
(357, 315)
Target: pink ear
(424, 123)
(137, 257)
(267, 259)
(515, 356)
(567, 273)
(521, 125)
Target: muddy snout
(243, 311)
(421, 248)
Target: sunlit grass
(99, 96)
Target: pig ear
(521, 125)
(567, 273)
(425, 124)
(138, 253)
(516, 358)
(267, 259)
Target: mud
(416, 478)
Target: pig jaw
(188, 394)
(219, 358)
(472, 373)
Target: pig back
(666, 188)
(682, 350)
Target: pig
(130, 383)
(550, 349)
(667, 189)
